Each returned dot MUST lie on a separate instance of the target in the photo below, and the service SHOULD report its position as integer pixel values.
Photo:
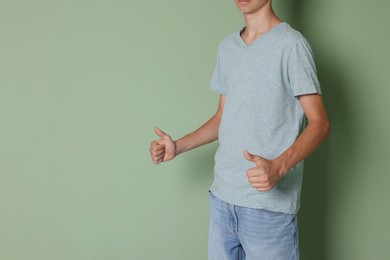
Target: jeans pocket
(272, 213)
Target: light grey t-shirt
(262, 112)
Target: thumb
(159, 132)
(251, 157)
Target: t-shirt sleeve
(216, 83)
(302, 72)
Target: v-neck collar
(261, 37)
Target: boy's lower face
(250, 6)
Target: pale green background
(83, 83)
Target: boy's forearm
(207, 133)
(309, 140)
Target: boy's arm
(165, 149)
(315, 133)
(267, 173)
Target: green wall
(83, 83)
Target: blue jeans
(239, 233)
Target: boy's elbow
(326, 129)
(322, 127)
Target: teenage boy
(266, 77)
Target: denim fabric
(240, 233)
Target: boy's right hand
(163, 149)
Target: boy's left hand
(264, 175)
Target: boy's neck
(260, 22)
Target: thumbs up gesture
(264, 175)
(163, 149)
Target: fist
(265, 175)
(163, 149)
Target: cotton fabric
(262, 113)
